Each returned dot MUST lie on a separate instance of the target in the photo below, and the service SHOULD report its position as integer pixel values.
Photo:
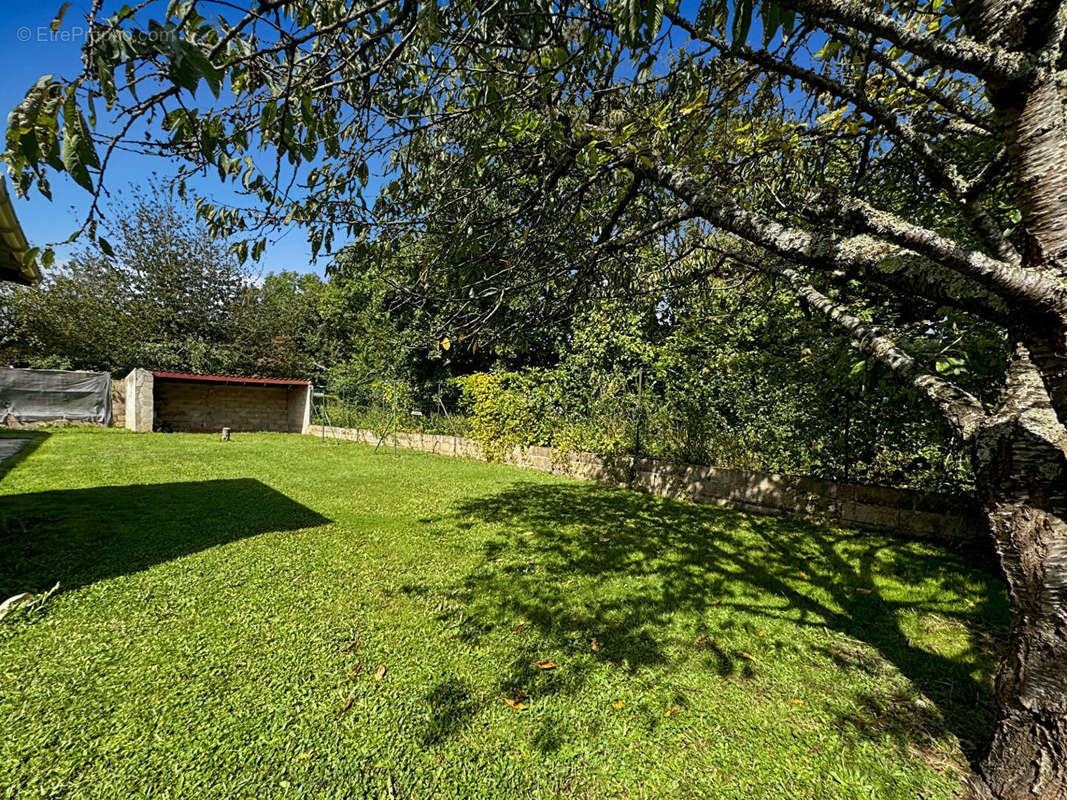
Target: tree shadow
(79, 536)
(451, 706)
(649, 559)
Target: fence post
(640, 411)
(637, 426)
(396, 420)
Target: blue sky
(30, 50)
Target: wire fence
(394, 406)
(609, 415)
(630, 415)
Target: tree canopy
(898, 167)
(166, 295)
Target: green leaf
(656, 18)
(78, 152)
(694, 105)
(742, 23)
(203, 66)
(187, 63)
(774, 17)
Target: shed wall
(203, 407)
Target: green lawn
(224, 608)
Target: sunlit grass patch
(226, 610)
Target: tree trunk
(1021, 464)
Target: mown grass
(224, 609)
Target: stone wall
(206, 408)
(118, 404)
(139, 406)
(202, 404)
(299, 407)
(954, 520)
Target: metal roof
(192, 376)
(13, 245)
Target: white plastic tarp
(39, 395)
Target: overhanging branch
(960, 408)
(828, 252)
(960, 53)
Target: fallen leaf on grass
(521, 695)
(355, 671)
(703, 638)
(518, 629)
(671, 711)
(380, 673)
(595, 645)
(861, 590)
(803, 575)
(516, 704)
(749, 656)
(796, 702)
(350, 646)
(545, 664)
(618, 704)
(761, 633)
(348, 704)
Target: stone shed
(192, 403)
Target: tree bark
(1020, 458)
(1037, 147)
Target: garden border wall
(947, 519)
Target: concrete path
(8, 447)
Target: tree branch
(1022, 289)
(962, 410)
(939, 286)
(960, 53)
(1025, 287)
(942, 171)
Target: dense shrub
(508, 409)
(772, 428)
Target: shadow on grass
(581, 561)
(78, 536)
(451, 707)
(33, 439)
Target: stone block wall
(165, 403)
(952, 520)
(298, 400)
(118, 404)
(139, 403)
(208, 408)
